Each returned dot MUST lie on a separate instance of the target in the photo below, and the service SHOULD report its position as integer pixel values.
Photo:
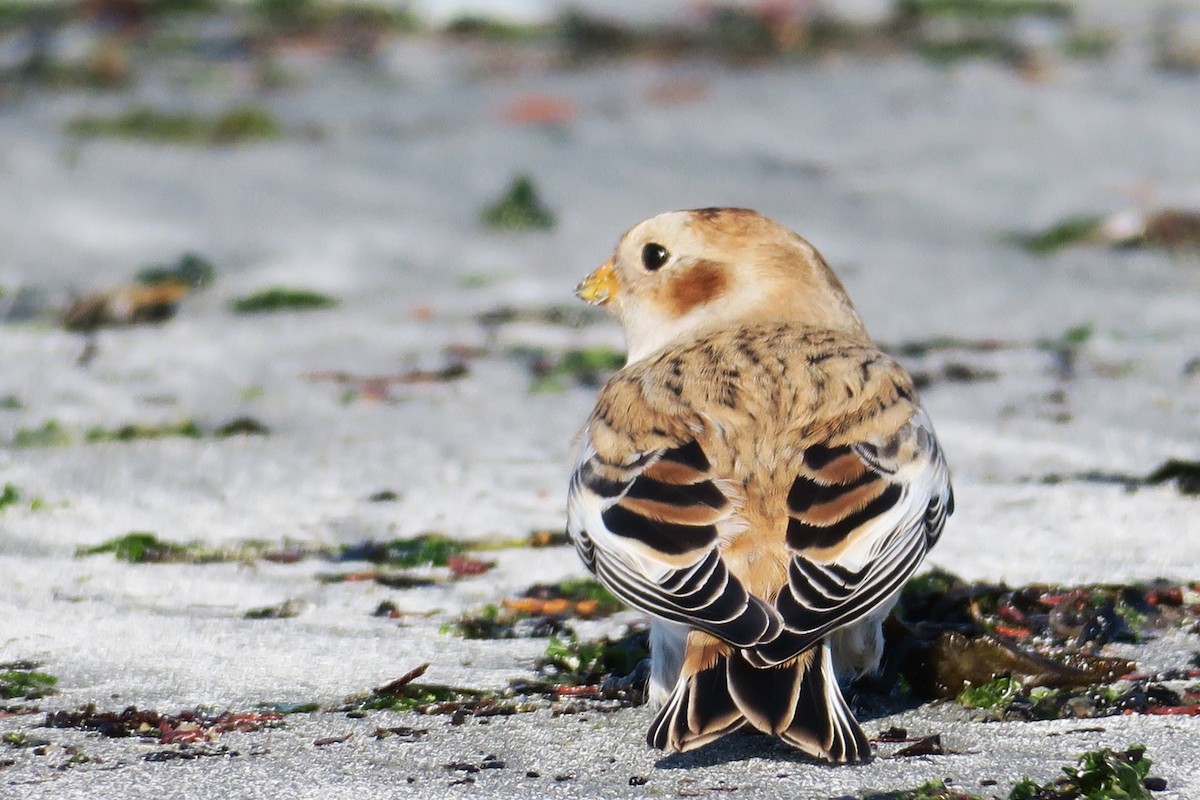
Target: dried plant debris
(542, 610)
(588, 366)
(412, 553)
(566, 316)
(1081, 616)
(519, 208)
(126, 305)
(1172, 229)
(428, 549)
(52, 434)
(379, 387)
(282, 298)
(1031, 652)
(418, 552)
(1176, 40)
(953, 372)
(1183, 475)
(573, 676)
(1009, 699)
(21, 680)
(285, 610)
(731, 32)
(405, 694)
(144, 547)
(547, 538)
(1097, 775)
(951, 30)
(573, 662)
(582, 597)
(241, 124)
(200, 725)
(955, 662)
(933, 790)
(153, 297)
(498, 622)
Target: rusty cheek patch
(695, 287)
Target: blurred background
(350, 232)
(285, 281)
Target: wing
(861, 517)
(648, 528)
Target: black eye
(654, 256)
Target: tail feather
(823, 724)
(798, 701)
(699, 711)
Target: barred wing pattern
(860, 520)
(648, 530)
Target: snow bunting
(759, 478)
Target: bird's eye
(654, 256)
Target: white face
(669, 282)
(684, 271)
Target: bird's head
(683, 272)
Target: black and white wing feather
(861, 517)
(649, 529)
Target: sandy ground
(905, 175)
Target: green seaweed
(16, 13)
(285, 610)
(587, 366)
(144, 547)
(315, 15)
(1070, 339)
(571, 661)
(245, 123)
(168, 7)
(189, 269)
(140, 547)
(932, 790)
(575, 315)
(477, 26)
(22, 680)
(1065, 233)
(1090, 44)
(1097, 775)
(427, 549)
(412, 698)
(136, 432)
(290, 708)
(10, 496)
(985, 9)
(49, 434)
(280, 298)
(993, 695)
(518, 209)
(580, 589)
(403, 694)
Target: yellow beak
(600, 287)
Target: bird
(759, 478)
